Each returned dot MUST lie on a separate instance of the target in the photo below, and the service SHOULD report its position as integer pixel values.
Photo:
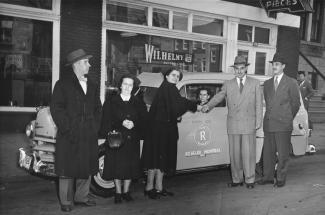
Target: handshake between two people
(203, 108)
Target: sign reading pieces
(280, 5)
(153, 54)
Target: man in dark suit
(305, 88)
(76, 111)
(282, 101)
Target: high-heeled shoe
(164, 192)
(118, 198)
(127, 197)
(152, 194)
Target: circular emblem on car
(203, 136)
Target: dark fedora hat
(240, 59)
(278, 58)
(75, 56)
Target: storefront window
(160, 18)
(262, 35)
(43, 4)
(206, 25)
(25, 61)
(260, 63)
(317, 17)
(137, 53)
(245, 33)
(180, 21)
(128, 13)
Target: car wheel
(100, 186)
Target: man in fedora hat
(76, 110)
(244, 102)
(282, 101)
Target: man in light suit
(282, 101)
(244, 101)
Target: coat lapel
(243, 95)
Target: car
(203, 140)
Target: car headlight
(30, 129)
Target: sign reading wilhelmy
(281, 5)
(154, 55)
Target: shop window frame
(52, 16)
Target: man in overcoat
(76, 111)
(305, 88)
(245, 109)
(282, 101)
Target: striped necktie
(276, 83)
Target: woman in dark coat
(160, 145)
(125, 113)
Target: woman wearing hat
(127, 114)
(160, 145)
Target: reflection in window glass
(123, 12)
(206, 25)
(260, 63)
(138, 53)
(160, 18)
(180, 21)
(262, 35)
(43, 4)
(245, 32)
(25, 61)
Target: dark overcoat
(123, 163)
(160, 144)
(77, 117)
(307, 92)
(281, 105)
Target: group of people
(80, 118)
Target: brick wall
(81, 28)
(288, 44)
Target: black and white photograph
(150, 107)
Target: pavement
(202, 193)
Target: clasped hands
(128, 124)
(203, 108)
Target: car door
(202, 136)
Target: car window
(191, 91)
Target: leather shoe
(279, 184)
(88, 203)
(127, 197)
(232, 184)
(152, 194)
(66, 208)
(118, 198)
(264, 182)
(164, 192)
(250, 185)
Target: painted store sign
(153, 55)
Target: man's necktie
(276, 83)
(241, 85)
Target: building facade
(312, 44)
(132, 36)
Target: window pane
(245, 33)
(138, 53)
(26, 61)
(260, 63)
(43, 4)
(206, 25)
(262, 35)
(180, 21)
(123, 12)
(160, 18)
(317, 17)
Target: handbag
(114, 139)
